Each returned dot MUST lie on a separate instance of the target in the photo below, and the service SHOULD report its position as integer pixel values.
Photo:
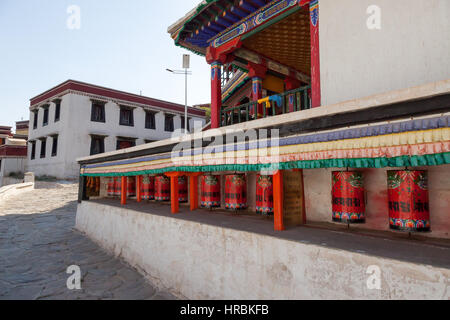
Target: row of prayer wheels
(407, 193)
(152, 188)
(158, 188)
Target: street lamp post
(186, 65)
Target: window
(125, 143)
(188, 123)
(45, 121)
(35, 119)
(126, 116)
(97, 145)
(150, 121)
(57, 110)
(98, 112)
(33, 150)
(168, 123)
(55, 146)
(43, 148)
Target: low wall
(198, 261)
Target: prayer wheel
(235, 192)
(349, 204)
(409, 208)
(117, 187)
(162, 188)
(111, 187)
(182, 189)
(210, 192)
(148, 187)
(264, 195)
(131, 187)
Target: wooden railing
(289, 101)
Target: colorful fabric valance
(424, 142)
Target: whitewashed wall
(199, 261)
(411, 48)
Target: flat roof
(73, 85)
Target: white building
(12, 158)
(76, 119)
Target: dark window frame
(169, 125)
(188, 123)
(33, 150)
(122, 120)
(101, 145)
(35, 119)
(55, 145)
(46, 117)
(43, 150)
(123, 139)
(98, 112)
(150, 120)
(57, 109)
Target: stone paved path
(38, 244)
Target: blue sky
(121, 44)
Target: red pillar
(123, 195)
(315, 54)
(278, 201)
(193, 192)
(174, 194)
(257, 72)
(216, 94)
(291, 84)
(138, 188)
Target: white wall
(412, 47)
(9, 165)
(199, 261)
(74, 130)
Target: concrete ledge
(202, 261)
(15, 189)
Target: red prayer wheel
(349, 205)
(409, 208)
(235, 192)
(182, 189)
(131, 187)
(148, 187)
(117, 186)
(111, 187)
(264, 195)
(162, 188)
(210, 192)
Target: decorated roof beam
(258, 20)
(253, 57)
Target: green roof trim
(360, 163)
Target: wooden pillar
(315, 54)
(216, 94)
(193, 192)
(138, 188)
(278, 201)
(257, 72)
(123, 195)
(174, 194)
(291, 84)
